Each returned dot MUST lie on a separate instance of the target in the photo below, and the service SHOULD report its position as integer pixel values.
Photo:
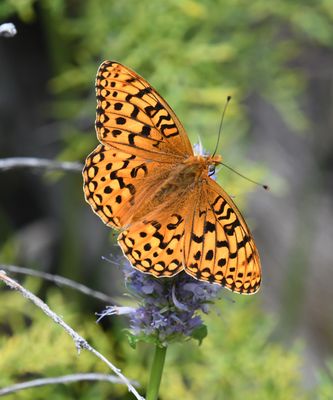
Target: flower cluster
(167, 307)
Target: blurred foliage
(325, 387)
(237, 360)
(40, 348)
(194, 52)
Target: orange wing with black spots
(145, 180)
(133, 117)
(218, 244)
(155, 246)
(205, 235)
(120, 186)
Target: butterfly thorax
(184, 176)
(195, 168)
(176, 185)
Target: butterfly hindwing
(155, 246)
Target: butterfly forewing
(133, 117)
(119, 186)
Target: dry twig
(79, 341)
(60, 280)
(59, 379)
(31, 162)
(8, 30)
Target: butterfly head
(212, 162)
(198, 166)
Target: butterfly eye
(211, 170)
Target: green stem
(156, 373)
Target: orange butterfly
(145, 180)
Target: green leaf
(200, 333)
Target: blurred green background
(276, 60)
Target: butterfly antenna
(221, 123)
(266, 187)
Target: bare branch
(31, 162)
(8, 30)
(60, 280)
(79, 341)
(60, 379)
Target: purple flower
(167, 308)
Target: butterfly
(145, 180)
